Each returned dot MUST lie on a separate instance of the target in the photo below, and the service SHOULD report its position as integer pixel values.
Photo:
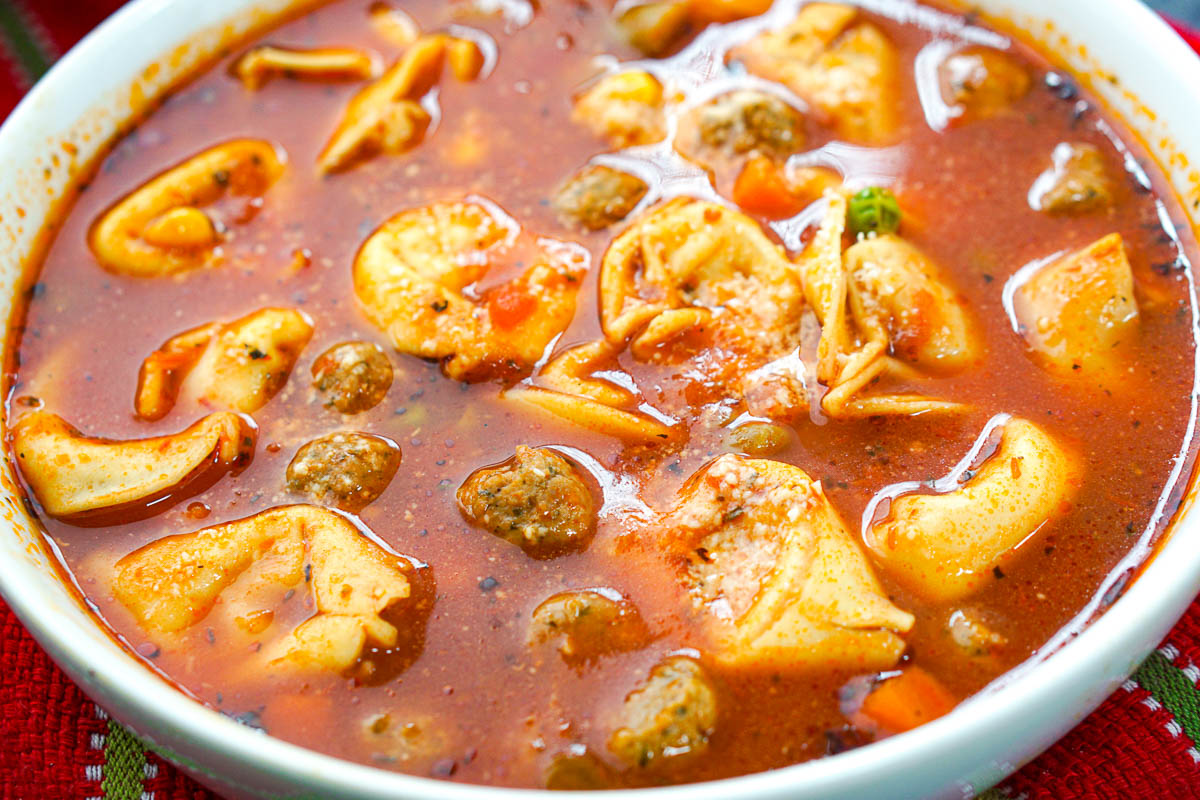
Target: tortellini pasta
(687, 276)
(265, 62)
(845, 67)
(655, 27)
(239, 366)
(71, 474)
(978, 83)
(387, 116)
(1074, 313)
(774, 576)
(568, 386)
(900, 291)
(415, 278)
(946, 546)
(691, 264)
(173, 583)
(882, 306)
(162, 227)
(624, 109)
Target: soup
(575, 397)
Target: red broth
(489, 708)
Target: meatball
(669, 717)
(353, 376)
(536, 500)
(1076, 182)
(413, 742)
(982, 82)
(578, 771)
(973, 635)
(598, 196)
(655, 27)
(587, 624)
(348, 469)
(759, 439)
(741, 122)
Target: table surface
(1182, 10)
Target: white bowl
(109, 76)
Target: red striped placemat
(55, 743)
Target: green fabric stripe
(1174, 690)
(124, 765)
(992, 794)
(22, 43)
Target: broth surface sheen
(463, 695)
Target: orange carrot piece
(705, 11)
(912, 698)
(760, 189)
(509, 305)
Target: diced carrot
(912, 698)
(760, 189)
(727, 10)
(510, 304)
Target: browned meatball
(1076, 182)
(669, 717)
(347, 469)
(536, 500)
(598, 196)
(739, 123)
(982, 82)
(578, 771)
(655, 27)
(759, 439)
(353, 376)
(412, 741)
(587, 623)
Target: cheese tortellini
(884, 309)
(163, 228)
(1075, 312)
(174, 583)
(72, 474)
(387, 116)
(239, 366)
(687, 275)
(624, 108)
(265, 62)
(774, 576)
(844, 66)
(900, 292)
(690, 265)
(416, 275)
(947, 546)
(570, 387)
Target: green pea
(874, 210)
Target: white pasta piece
(71, 474)
(947, 546)
(162, 228)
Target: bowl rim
(1122, 635)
